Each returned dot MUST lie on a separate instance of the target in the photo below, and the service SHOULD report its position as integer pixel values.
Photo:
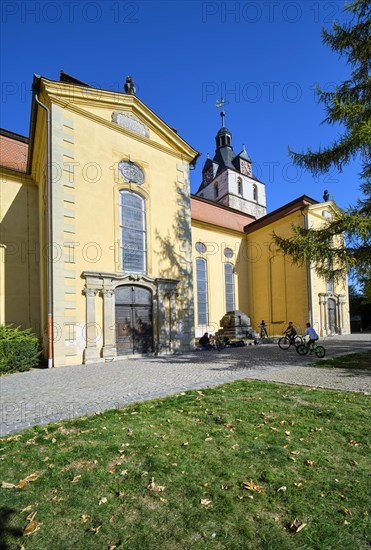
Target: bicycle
(303, 349)
(286, 341)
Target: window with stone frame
(229, 286)
(239, 186)
(202, 292)
(133, 246)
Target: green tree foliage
(343, 243)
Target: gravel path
(43, 396)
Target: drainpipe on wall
(2, 283)
(50, 232)
(309, 275)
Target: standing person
(263, 329)
(313, 336)
(290, 332)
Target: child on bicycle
(313, 336)
(263, 330)
(290, 332)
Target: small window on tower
(255, 192)
(239, 186)
(216, 190)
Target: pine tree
(344, 242)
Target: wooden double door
(134, 322)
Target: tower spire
(222, 114)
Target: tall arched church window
(133, 249)
(239, 186)
(229, 286)
(255, 192)
(216, 190)
(202, 298)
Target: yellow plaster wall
(277, 288)
(315, 215)
(217, 239)
(20, 301)
(95, 151)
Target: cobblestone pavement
(43, 396)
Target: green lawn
(247, 465)
(351, 361)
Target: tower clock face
(245, 168)
(209, 175)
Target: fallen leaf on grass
(297, 525)
(346, 512)
(155, 488)
(251, 486)
(206, 503)
(353, 443)
(84, 518)
(32, 527)
(31, 516)
(27, 509)
(6, 485)
(103, 500)
(295, 452)
(95, 530)
(310, 462)
(76, 479)
(185, 444)
(283, 489)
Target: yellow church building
(104, 251)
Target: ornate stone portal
(103, 285)
(332, 314)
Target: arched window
(255, 192)
(133, 247)
(229, 286)
(239, 186)
(216, 189)
(202, 302)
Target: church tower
(228, 178)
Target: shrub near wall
(19, 349)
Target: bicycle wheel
(320, 351)
(284, 342)
(298, 340)
(302, 349)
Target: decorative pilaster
(322, 308)
(342, 328)
(109, 333)
(91, 352)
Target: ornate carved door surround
(103, 286)
(331, 313)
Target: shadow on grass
(355, 363)
(7, 532)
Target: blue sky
(264, 57)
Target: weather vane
(221, 102)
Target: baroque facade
(105, 252)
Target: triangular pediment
(123, 112)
